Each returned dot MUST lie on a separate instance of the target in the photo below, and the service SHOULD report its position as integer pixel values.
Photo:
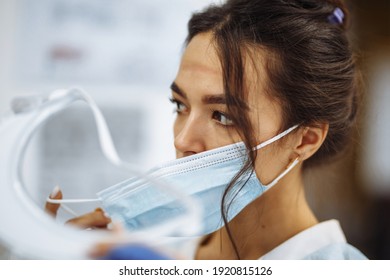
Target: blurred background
(125, 54)
(356, 188)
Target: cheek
(270, 163)
(177, 127)
(176, 130)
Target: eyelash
(177, 103)
(215, 117)
(214, 113)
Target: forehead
(201, 57)
(201, 54)
(200, 71)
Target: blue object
(134, 252)
(140, 204)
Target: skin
(202, 124)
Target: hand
(95, 219)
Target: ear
(310, 139)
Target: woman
(251, 70)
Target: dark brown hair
(310, 67)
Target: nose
(189, 136)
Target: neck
(274, 217)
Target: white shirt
(325, 240)
(307, 242)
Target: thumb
(52, 208)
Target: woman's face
(202, 122)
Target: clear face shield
(28, 231)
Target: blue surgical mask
(205, 176)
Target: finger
(52, 208)
(96, 218)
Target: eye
(222, 118)
(179, 106)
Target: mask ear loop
(287, 170)
(275, 138)
(290, 166)
(68, 209)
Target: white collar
(307, 242)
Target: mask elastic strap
(67, 208)
(59, 201)
(288, 169)
(275, 138)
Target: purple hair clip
(337, 17)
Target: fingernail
(104, 213)
(55, 191)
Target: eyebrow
(214, 99)
(174, 87)
(207, 99)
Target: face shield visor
(28, 231)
